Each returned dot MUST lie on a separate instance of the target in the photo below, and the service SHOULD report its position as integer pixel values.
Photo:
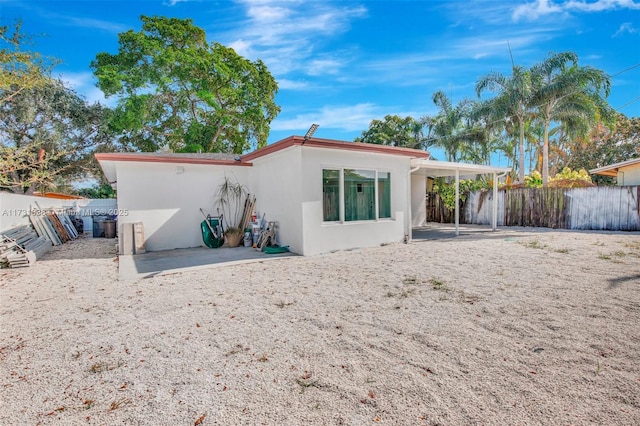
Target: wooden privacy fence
(436, 210)
(599, 208)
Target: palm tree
(447, 126)
(512, 103)
(569, 94)
(483, 133)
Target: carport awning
(426, 167)
(445, 168)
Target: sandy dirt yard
(513, 327)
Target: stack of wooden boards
(55, 226)
(249, 205)
(23, 245)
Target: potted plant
(231, 195)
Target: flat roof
(445, 168)
(107, 160)
(171, 157)
(334, 144)
(245, 159)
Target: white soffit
(445, 168)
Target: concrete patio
(134, 267)
(438, 231)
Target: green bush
(447, 191)
(567, 178)
(534, 180)
(567, 173)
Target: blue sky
(341, 64)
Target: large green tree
(48, 135)
(179, 91)
(20, 69)
(396, 131)
(570, 95)
(604, 146)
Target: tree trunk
(545, 147)
(522, 155)
(545, 155)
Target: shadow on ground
(440, 231)
(165, 262)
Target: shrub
(447, 191)
(567, 178)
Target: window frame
(341, 195)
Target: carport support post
(494, 216)
(457, 202)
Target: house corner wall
(418, 200)
(167, 198)
(276, 183)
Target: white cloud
(324, 67)
(348, 118)
(287, 34)
(538, 8)
(84, 83)
(96, 24)
(286, 84)
(627, 27)
(600, 5)
(268, 13)
(174, 2)
(242, 47)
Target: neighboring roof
(58, 195)
(444, 168)
(612, 170)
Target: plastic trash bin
(109, 228)
(98, 226)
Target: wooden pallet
(21, 247)
(57, 225)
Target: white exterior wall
(629, 176)
(418, 200)
(276, 183)
(321, 237)
(167, 202)
(14, 209)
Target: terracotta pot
(233, 239)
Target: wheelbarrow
(212, 230)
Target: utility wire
(628, 103)
(625, 70)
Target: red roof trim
(269, 149)
(245, 160)
(123, 156)
(334, 144)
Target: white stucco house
(627, 173)
(325, 195)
